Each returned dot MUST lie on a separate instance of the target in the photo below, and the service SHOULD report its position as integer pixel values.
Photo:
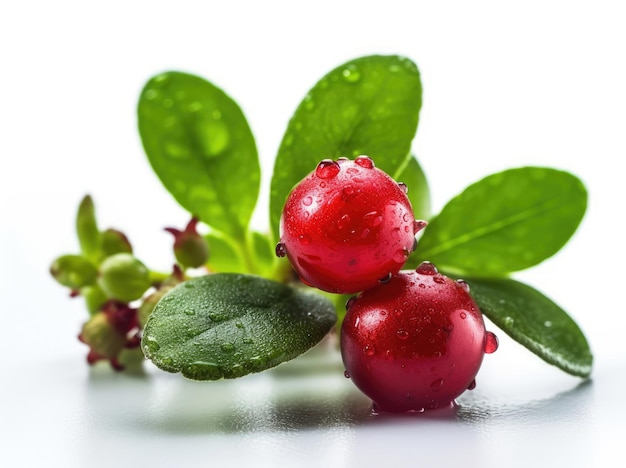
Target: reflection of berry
(346, 226)
(416, 342)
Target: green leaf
(227, 325)
(506, 222)
(265, 253)
(419, 194)
(223, 255)
(535, 321)
(201, 147)
(366, 106)
(87, 229)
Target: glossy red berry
(415, 343)
(346, 226)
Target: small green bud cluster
(119, 290)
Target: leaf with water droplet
(506, 222)
(369, 105)
(242, 324)
(201, 147)
(521, 312)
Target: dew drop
(472, 385)
(217, 317)
(418, 225)
(463, 315)
(351, 74)
(373, 218)
(168, 102)
(195, 106)
(346, 374)
(427, 268)
(436, 385)
(307, 201)
(406, 217)
(239, 325)
(547, 324)
(364, 161)
(308, 102)
(343, 222)
(463, 284)
(403, 187)
(304, 239)
(369, 350)
(227, 347)
(402, 334)
(176, 151)
(190, 312)
(327, 169)
(151, 94)
(150, 344)
(248, 341)
(281, 250)
(491, 342)
(439, 279)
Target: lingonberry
(347, 225)
(416, 342)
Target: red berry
(416, 342)
(346, 226)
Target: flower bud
(114, 241)
(123, 277)
(73, 271)
(190, 248)
(100, 335)
(95, 298)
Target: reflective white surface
(539, 83)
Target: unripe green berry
(190, 248)
(99, 334)
(94, 296)
(124, 277)
(73, 271)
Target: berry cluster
(411, 340)
(120, 292)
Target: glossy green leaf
(224, 255)
(201, 147)
(535, 321)
(228, 325)
(419, 193)
(506, 222)
(264, 252)
(366, 106)
(87, 229)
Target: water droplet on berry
(364, 161)
(373, 218)
(343, 222)
(304, 239)
(369, 350)
(418, 225)
(281, 250)
(491, 342)
(403, 187)
(307, 201)
(227, 347)
(436, 385)
(427, 268)
(414, 246)
(439, 279)
(463, 315)
(463, 284)
(386, 279)
(351, 74)
(327, 168)
(402, 334)
(350, 302)
(346, 374)
(472, 385)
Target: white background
(506, 84)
